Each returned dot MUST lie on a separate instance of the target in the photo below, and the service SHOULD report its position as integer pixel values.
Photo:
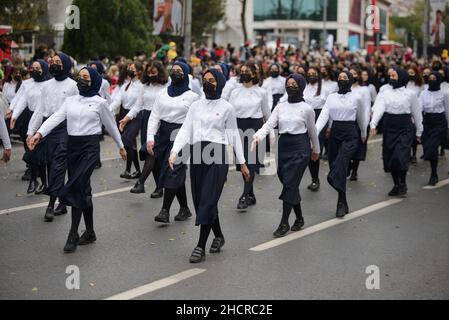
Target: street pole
(187, 29)
(324, 40)
(426, 28)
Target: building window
(294, 10)
(356, 12)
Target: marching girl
(210, 125)
(346, 111)
(85, 113)
(54, 93)
(105, 86)
(252, 108)
(328, 76)
(296, 121)
(365, 95)
(367, 81)
(435, 105)
(155, 81)
(415, 84)
(399, 106)
(27, 102)
(168, 114)
(129, 100)
(276, 83)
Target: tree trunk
(242, 17)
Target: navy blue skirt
(83, 155)
(170, 179)
(143, 134)
(362, 150)
(56, 154)
(22, 122)
(398, 136)
(434, 135)
(294, 154)
(131, 130)
(207, 178)
(248, 127)
(343, 144)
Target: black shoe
(60, 210)
(342, 209)
(243, 203)
(27, 175)
(394, 192)
(72, 242)
(126, 175)
(217, 244)
(413, 160)
(325, 157)
(299, 223)
(158, 193)
(282, 231)
(433, 181)
(183, 215)
(41, 189)
(163, 217)
(353, 177)
(32, 186)
(251, 200)
(98, 165)
(138, 188)
(88, 237)
(198, 255)
(49, 215)
(135, 175)
(314, 186)
(402, 192)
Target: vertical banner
(437, 26)
(168, 17)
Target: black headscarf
(403, 78)
(437, 85)
(44, 75)
(66, 67)
(95, 80)
(351, 81)
(99, 65)
(301, 82)
(221, 82)
(175, 90)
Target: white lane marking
(375, 141)
(44, 204)
(439, 185)
(159, 284)
(325, 225)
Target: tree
(113, 27)
(22, 14)
(206, 14)
(243, 19)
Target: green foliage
(22, 14)
(206, 14)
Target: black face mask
(55, 69)
(356, 80)
(245, 78)
(152, 78)
(131, 74)
(324, 75)
(83, 85)
(274, 74)
(394, 83)
(17, 78)
(312, 79)
(177, 77)
(413, 78)
(426, 79)
(35, 74)
(344, 86)
(209, 90)
(434, 85)
(292, 91)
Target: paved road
(407, 240)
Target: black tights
(151, 165)
(170, 195)
(205, 231)
(314, 168)
(434, 167)
(399, 177)
(132, 158)
(342, 197)
(287, 209)
(354, 166)
(248, 185)
(38, 171)
(88, 214)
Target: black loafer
(41, 189)
(60, 210)
(281, 231)
(251, 200)
(394, 192)
(158, 193)
(27, 175)
(402, 191)
(138, 188)
(72, 242)
(217, 244)
(433, 181)
(126, 175)
(163, 217)
(49, 216)
(314, 186)
(183, 215)
(299, 223)
(243, 203)
(198, 255)
(32, 186)
(342, 210)
(88, 237)
(135, 175)
(353, 177)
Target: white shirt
(150, 94)
(366, 98)
(292, 118)
(29, 97)
(229, 87)
(52, 98)
(84, 115)
(344, 107)
(213, 121)
(330, 87)
(9, 90)
(19, 93)
(105, 91)
(4, 136)
(416, 89)
(277, 85)
(251, 102)
(310, 97)
(169, 109)
(398, 101)
(131, 99)
(372, 91)
(435, 102)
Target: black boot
(72, 242)
(163, 217)
(251, 200)
(314, 186)
(281, 231)
(403, 189)
(342, 209)
(49, 215)
(299, 223)
(353, 176)
(198, 255)
(394, 192)
(126, 175)
(88, 237)
(243, 203)
(433, 181)
(183, 215)
(27, 175)
(158, 193)
(138, 188)
(60, 210)
(217, 244)
(41, 189)
(135, 175)
(32, 186)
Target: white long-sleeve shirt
(150, 94)
(52, 98)
(277, 85)
(105, 91)
(435, 102)
(84, 115)
(398, 101)
(212, 121)
(19, 93)
(310, 97)
(253, 102)
(131, 99)
(4, 136)
(344, 107)
(9, 90)
(416, 89)
(230, 85)
(169, 109)
(365, 95)
(330, 87)
(29, 97)
(292, 118)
